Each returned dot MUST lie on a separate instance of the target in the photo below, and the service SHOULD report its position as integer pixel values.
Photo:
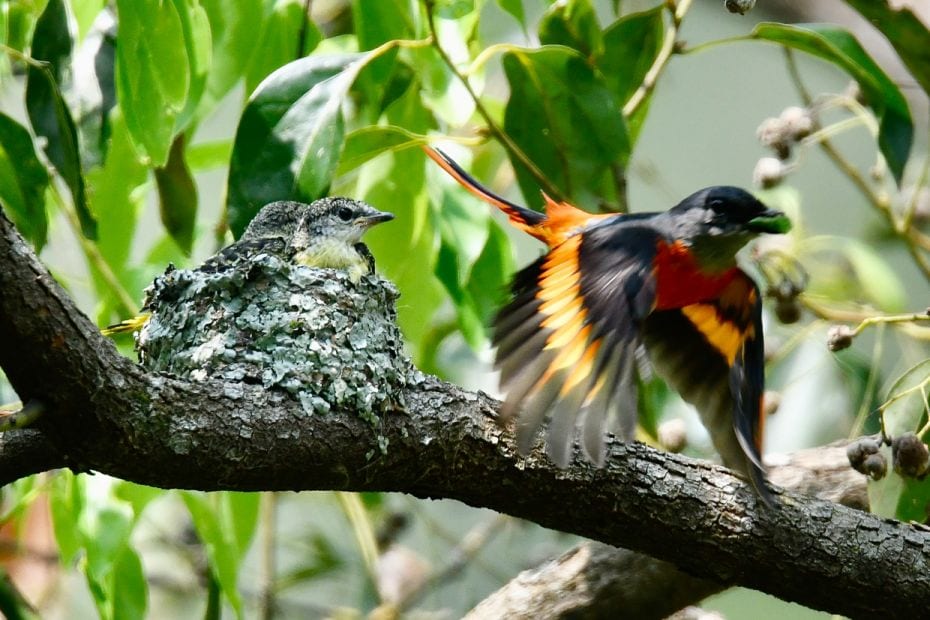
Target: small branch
(304, 26)
(472, 543)
(269, 529)
(125, 304)
(669, 44)
(499, 134)
(889, 319)
(879, 202)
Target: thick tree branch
(109, 415)
(594, 580)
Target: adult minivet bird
(325, 234)
(613, 284)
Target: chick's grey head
(336, 220)
(329, 236)
(275, 220)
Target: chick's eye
(344, 213)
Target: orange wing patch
(722, 334)
(564, 220)
(726, 322)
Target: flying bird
(614, 285)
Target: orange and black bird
(612, 286)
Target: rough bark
(107, 414)
(594, 580)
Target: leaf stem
(500, 135)
(269, 511)
(669, 44)
(889, 319)
(880, 202)
(126, 306)
(304, 26)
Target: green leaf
(225, 523)
(514, 8)
(491, 273)
(241, 518)
(136, 495)
(367, 143)
(291, 135)
(839, 47)
(573, 24)
(906, 33)
(842, 268)
(209, 155)
(66, 501)
(105, 530)
(463, 231)
(278, 42)
(85, 12)
(907, 409)
(117, 202)
(379, 21)
(23, 181)
(19, 495)
(232, 27)
(177, 197)
(48, 113)
(20, 19)
(153, 75)
(130, 589)
(94, 88)
(880, 283)
(631, 45)
(195, 24)
(405, 248)
(905, 412)
(566, 120)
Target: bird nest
(259, 320)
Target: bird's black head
(724, 210)
(717, 221)
(734, 206)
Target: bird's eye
(715, 204)
(345, 214)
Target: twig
(888, 319)
(354, 511)
(880, 202)
(302, 36)
(639, 97)
(266, 597)
(126, 306)
(506, 141)
(472, 543)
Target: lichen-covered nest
(312, 333)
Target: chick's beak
(367, 221)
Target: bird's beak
(368, 221)
(771, 221)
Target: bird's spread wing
(566, 343)
(711, 353)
